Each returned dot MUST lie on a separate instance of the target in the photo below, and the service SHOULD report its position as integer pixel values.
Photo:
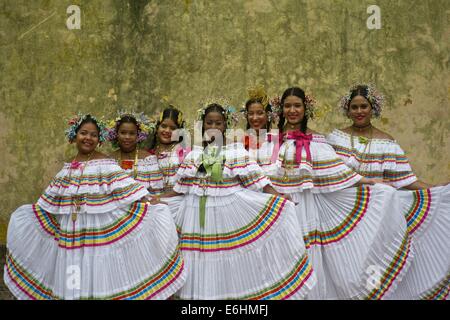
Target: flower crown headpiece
(145, 126)
(75, 122)
(310, 106)
(258, 93)
(231, 116)
(375, 98)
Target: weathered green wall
(134, 53)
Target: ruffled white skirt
(130, 253)
(248, 248)
(174, 204)
(428, 214)
(357, 241)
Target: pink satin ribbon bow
(301, 140)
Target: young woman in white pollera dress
(92, 234)
(356, 238)
(374, 153)
(237, 243)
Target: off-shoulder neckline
(93, 160)
(339, 131)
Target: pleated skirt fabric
(248, 248)
(427, 212)
(130, 253)
(357, 241)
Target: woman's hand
(442, 184)
(169, 194)
(286, 196)
(154, 200)
(269, 189)
(417, 185)
(371, 181)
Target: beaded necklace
(77, 199)
(165, 173)
(362, 140)
(287, 166)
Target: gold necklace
(360, 129)
(77, 199)
(292, 126)
(159, 149)
(362, 140)
(287, 166)
(158, 152)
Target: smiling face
(127, 135)
(360, 111)
(213, 121)
(87, 138)
(257, 117)
(165, 129)
(293, 110)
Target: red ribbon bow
(301, 140)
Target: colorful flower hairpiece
(75, 122)
(259, 93)
(145, 126)
(272, 115)
(231, 116)
(275, 104)
(277, 109)
(310, 104)
(375, 98)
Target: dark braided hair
(127, 119)
(172, 113)
(168, 113)
(297, 92)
